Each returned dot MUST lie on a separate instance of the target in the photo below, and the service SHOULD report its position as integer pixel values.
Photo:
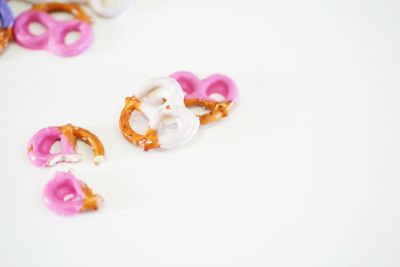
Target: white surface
(305, 172)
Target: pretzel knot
(161, 102)
(54, 38)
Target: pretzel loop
(39, 147)
(217, 109)
(147, 141)
(74, 133)
(73, 9)
(199, 92)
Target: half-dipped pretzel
(198, 93)
(66, 195)
(161, 103)
(40, 145)
(54, 38)
(6, 22)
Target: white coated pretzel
(162, 103)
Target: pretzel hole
(217, 97)
(218, 91)
(168, 126)
(69, 197)
(153, 96)
(47, 143)
(139, 123)
(55, 148)
(62, 16)
(85, 150)
(197, 110)
(66, 192)
(72, 37)
(37, 28)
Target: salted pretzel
(198, 93)
(40, 145)
(6, 22)
(161, 103)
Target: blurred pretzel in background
(104, 8)
(7, 21)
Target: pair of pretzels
(168, 102)
(161, 101)
(65, 194)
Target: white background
(304, 173)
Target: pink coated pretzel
(41, 142)
(202, 89)
(40, 145)
(198, 93)
(53, 40)
(66, 195)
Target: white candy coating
(109, 8)
(162, 103)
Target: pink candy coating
(63, 194)
(202, 89)
(53, 40)
(40, 145)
